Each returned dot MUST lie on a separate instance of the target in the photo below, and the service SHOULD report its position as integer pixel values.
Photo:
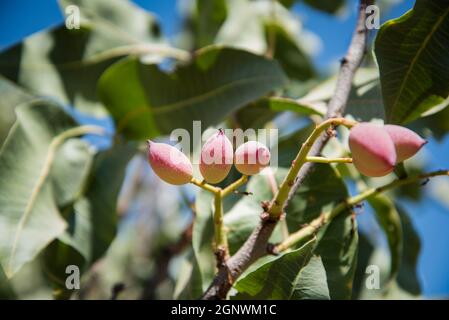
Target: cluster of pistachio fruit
(375, 148)
(216, 160)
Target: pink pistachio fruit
(406, 142)
(373, 150)
(170, 164)
(251, 157)
(216, 158)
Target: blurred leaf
(145, 101)
(120, 18)
(92, 219)
(413, 57)
(57, 256)
(365, 251)
(293, 275)
(200, 262)
(66, 63)
(295, 62)
(326, 5)
(29, 215)
(365, 99)
(12, 96)
(257, 114)
(289, 145)
(412, 191)
(407, 277)
(70, 170)
(435, 125)
(209, 17)
(6, 290)
(243, 15)
(390, 222)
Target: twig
(279, 202)
(311, 228)
(234, 186)
(255, 246)
(328, 160)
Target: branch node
(265, 205)
(272, 249)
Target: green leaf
(257, 114)
(122, 20)
(66, 63)
(12, 96)
(413, 57)
(407, 277)
(91, 219)
(326, 5)
(322, 5)
(29, 214)
(336, 242)
(320, 192)
(390, 222)
(287, 50)
(311, 282)
(207, 20)
(435, 125)
(288, 145)
(365, 251)
(365, 98)
(70, 170)
(293, 275)
(244, 216)
(145, 101)
(199, 263)
(6, 289)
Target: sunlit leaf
(293, 275)
(146, 101)
(29, 215)
(413, 56)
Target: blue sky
(19, 18)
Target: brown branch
(255, 246)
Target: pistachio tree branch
(279, 202)
(255, 246)
(311, 228)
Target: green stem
(277, 205)
(234, 186)
(204, 185)
(328, 160)
(309, 230)
(221, 240)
